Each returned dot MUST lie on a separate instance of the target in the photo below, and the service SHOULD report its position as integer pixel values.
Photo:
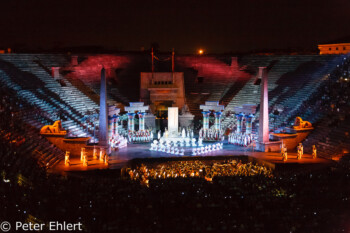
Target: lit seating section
(21, 145)
(29, 75)
(88, 72)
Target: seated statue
(185, 110)
(300, 124)
(55, 128)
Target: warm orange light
(200, 52)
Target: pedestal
(272, 146)
(186, 120)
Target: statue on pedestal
(300, 124)
(56, 128)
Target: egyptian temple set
(183, 105)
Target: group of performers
(207, 149)
(240, 139)
(103, 157)
(118, 141)
(140, 136)
(211, 134)
(300, 152)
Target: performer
(106, 160)
(66, 159)
(314, 152)
(284, 154)
(82, 153)
(85, 161)
(101, 155)
(94, 153)
(299, 152)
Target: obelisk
(264, 107)
(103, 130)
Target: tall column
(264, 107)
(141, 120)
(131, 126)
(249, 120)
(103, 131)
(239, 122)
(55, 72)
(173, 121)
(218, 120)
(205, 120)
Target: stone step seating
(88, 74)
(328, 139)
(46, 154)
(69, 97)
(279, 66)
(218, 76)
(291, 97)
(292, 102)
(73, 125)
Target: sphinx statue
(185, 110)
(300, 124)
(55, 128)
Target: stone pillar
(248, 122)
(103, 119)
(218, 120)
(205, 120)
(55, 72)
(173, 121)
(74, 60)
(131, 125)
(239, 122)
(264, 107)
(141, 120)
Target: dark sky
(217, 26)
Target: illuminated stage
(118, 159)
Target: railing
(162, 86)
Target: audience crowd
(196, 168)
(104, 201)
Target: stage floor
(119, 158)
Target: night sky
(216, 26)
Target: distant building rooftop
(334, 48)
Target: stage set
(145, 137)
